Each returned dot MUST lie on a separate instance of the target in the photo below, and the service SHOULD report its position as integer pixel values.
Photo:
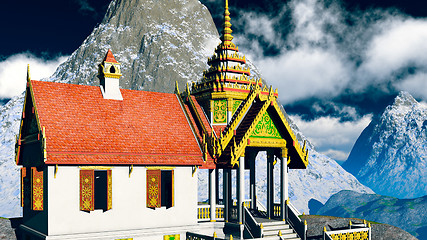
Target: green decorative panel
(236, 104)
(220, 111)
(265, 128)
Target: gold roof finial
(28, 73)
(226, 32)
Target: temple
(100, 162)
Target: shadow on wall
(314, 206)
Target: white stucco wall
(129, 211)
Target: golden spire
(28, 73)
(226, 32)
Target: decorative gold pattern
(23, 175)
(236, 105)
(265, 128)
(87, 190)
(37, 189)
(220, 111)
(171, 237)
(153, 188)
(109, 190)
(361, 235)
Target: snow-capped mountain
(390, 156)
(157, 43)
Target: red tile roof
(147, 128)
(109, 57)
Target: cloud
(85, 7)
(326, 52)
(415, 84)
(13, 72)
(331, 136)
(309, 72)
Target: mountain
(408, 214)
(390, 156)
(157, 43)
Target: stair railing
(252, 225)
(296, 223)
(355, 233)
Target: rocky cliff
(390, 156)
(408, 214)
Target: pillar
(270, 184)
(241, 189)
(252, 177)
(212, 194)
(241, 193)
(284, 190)
(227, 193)
(217, 186)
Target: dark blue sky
(49, 28)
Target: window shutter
(109, 190)
(153, 188)
(37, 189)
(173, 190)
(23, 175)
(87, 190)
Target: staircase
(271, 230)
(257, 224)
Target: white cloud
(330, 136)
(304, 73)
(13, 72)
(323, 56)
(415, 84)
(401, 44)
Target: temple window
(160, 188)
(95, 190)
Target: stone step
(276, 231)
(276, 227)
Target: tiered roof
(227, 67)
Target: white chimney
(109, 75)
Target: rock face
(316, 223)
(157, 43)
(408, 214)
(390, 156)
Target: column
(252, 174)
(241, 189)
(212, 193)
(217, 186)
(270, 184)
(227, 192)
(283, 184)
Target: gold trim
(95, 168)
(159, 168)
(130, 169)
(267, 142)
(55, 171)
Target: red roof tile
(146, 128)
(109, 57)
